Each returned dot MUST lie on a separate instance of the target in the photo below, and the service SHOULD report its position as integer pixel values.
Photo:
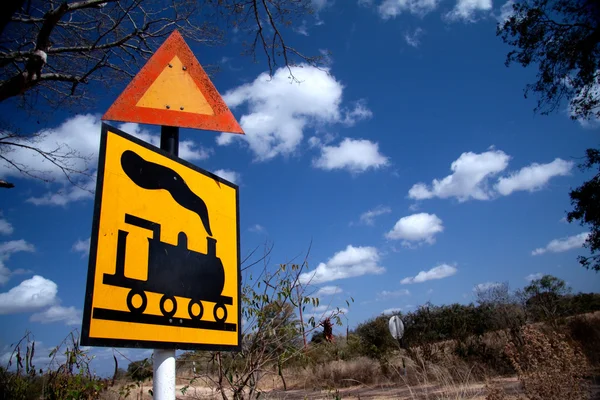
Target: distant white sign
(396, 327)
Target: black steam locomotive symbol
(173, 270)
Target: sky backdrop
(412, 165)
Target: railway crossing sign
(164, 267)
(172, 89)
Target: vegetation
(274, 332)
(538, 334)
(586, 209)
(562, 38)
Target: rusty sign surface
(164, 253)
(173, 89)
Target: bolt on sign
(164, 266)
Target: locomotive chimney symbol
(172, 270)
(149, 175)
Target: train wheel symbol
(132, 293)
(220, 306)
(163, 310)
(191, 309)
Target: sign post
(397, 330)
(163, 360)
(155, 266)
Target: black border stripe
(86, 340)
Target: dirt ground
(474, 392)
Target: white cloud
(328, 291)
(533, 277)
(368, 217)
(562, 244)
(533, 177)
(482, 287)
(439, 272)
(472, 173)
(355, 155)
(82, 246)
(280, 109)
(392, 8)
(302, 29)
(387, 294)
(323, 311)
(348, 263)
(67, 194)
(80, 134)
(319, 4)
(14, 246)
(30, 295)
(414, 39)
(466, 9)
(68, 315)
(228, 175)
(257, 228)
(417, 228)
(360, 112)
(77, 135)
(469, 179)
(506, 11)
(6, 250)
(390, 311)
(6, 227)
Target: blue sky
(412, 162)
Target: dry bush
(485, 354)
(549, 367)
(362, 370)
(585, 330)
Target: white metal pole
(163, 386)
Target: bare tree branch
(52, 51)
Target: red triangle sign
(172, 89)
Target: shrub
(67, 376)
(548, 367)
(140, 370)
(375, 338)
(583, 303)
(585, 330)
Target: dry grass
(361, 370)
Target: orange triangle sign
(172, 89)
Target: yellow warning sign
(164, 256)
